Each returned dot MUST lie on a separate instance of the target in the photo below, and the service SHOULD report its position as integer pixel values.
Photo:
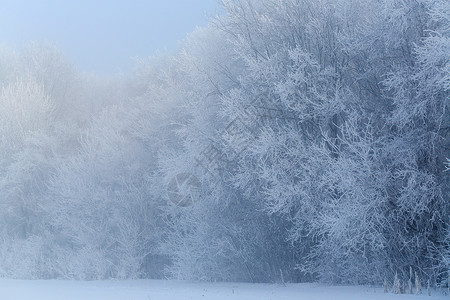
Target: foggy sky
(103, 36)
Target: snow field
(179, 290)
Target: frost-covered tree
(39, 129)
(27, 146)
(315, 135)
(418, 87)
(26, 152)
(98, 207)
(324, 156)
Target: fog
(280, 141)
(104, 37)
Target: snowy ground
(165, 290)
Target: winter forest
(287, 141)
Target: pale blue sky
(99, 35)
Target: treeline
(289, 140)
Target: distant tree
(27, 159)
(26, 145)
(98, 204)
